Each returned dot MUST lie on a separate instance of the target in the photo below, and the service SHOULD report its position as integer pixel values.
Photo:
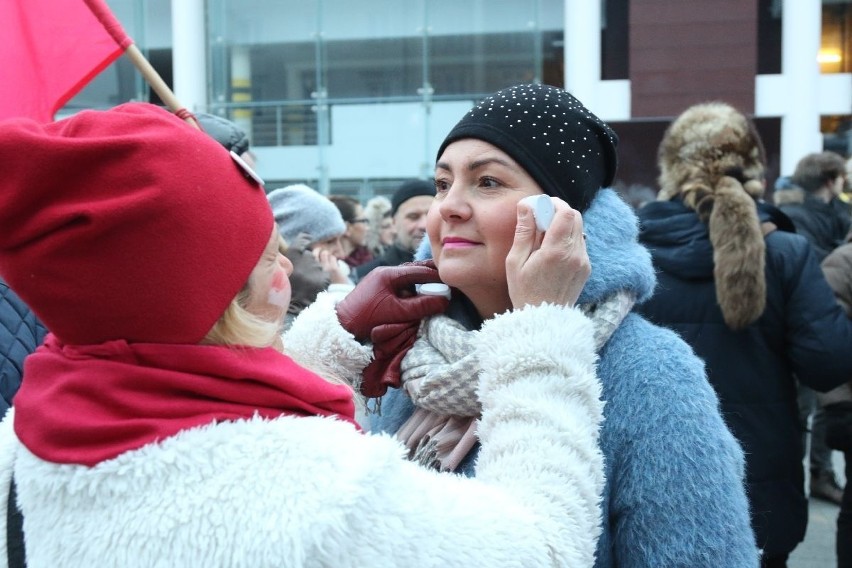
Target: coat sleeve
(313, 491)
(676, 474)
(818, 331)
(535, 499)
(318, 341)
(20, 333)
(837, 268)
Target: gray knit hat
(225, 132)
(567, 150)
(300, 209)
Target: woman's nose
(286, 264)
(454, 205)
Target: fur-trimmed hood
(712, 159)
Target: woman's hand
(550, 267)
(384, 309)
(330, 266)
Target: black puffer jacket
(824, 224)
(20, 334)
(803, 332)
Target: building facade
(353, 96)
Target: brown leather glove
(384, 309)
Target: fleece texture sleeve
(314, 492)
(318, 341)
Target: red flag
(50, 50)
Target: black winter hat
(409, 189)
(567, 150)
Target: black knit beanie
(566, 149)
(411, 188)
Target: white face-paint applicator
(433, 289)
(542, 208)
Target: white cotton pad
(434, 289)
(542, 208)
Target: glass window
(615, 39)
(373, 51)
(837, 134)
(320, 86)
(149, 25)
(835, 53)
(769, 37)
(479, 47)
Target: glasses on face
(360, 220)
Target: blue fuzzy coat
(674, 493)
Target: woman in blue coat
(750, 298)
(674, 493)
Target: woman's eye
(488, 182)
(441, 186)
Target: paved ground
(817, 551)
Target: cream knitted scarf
(441, 373)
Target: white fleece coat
(314, 492)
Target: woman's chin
(454, 275)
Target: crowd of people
(200, 370)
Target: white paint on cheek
(279, 292)
(279, 297)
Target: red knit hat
(126, 224)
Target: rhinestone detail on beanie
(568, 150)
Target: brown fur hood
(713, 159)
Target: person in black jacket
(20, 333)
(749, 297)
(812, 201)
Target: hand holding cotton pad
(542, 208)
(433, 289)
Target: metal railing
(295, 122)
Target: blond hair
(238, 327)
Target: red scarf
(358, 256)
(86, 404)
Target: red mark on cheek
(278, 280)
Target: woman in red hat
(158, 425)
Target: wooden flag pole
(102, 12)
(160, 87)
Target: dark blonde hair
(239, 327)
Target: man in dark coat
(812, 201)
(409, 206)
(750, 298)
